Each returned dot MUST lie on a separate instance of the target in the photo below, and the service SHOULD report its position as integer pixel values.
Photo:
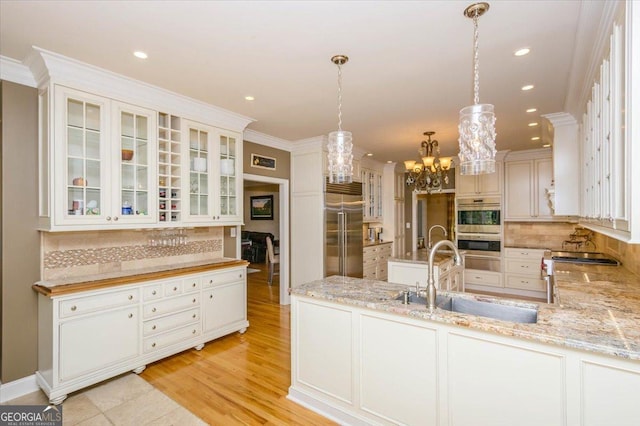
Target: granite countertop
(597, 309)
(110, 279)
(422, 256)
(367, 243)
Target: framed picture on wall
(262, 207)
(262, 162)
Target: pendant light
(477, 122)
(340, 144)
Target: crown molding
(52, 68)
(16, 72)
(267, 140)
(309, 144)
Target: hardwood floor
(240, 379)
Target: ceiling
(410, 67)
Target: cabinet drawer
(523, 267)
(445, 267)
(169, 322)
(191, 284)
(384, 250)
(223, 277)
(483, 278)
(152, 292)
(522, 253)
(167, 306)
(167, 339)
(83, 305)
(369, 262)
(524, 282)
(369, 253)
(172, 288)
(369, 272)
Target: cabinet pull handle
(153, 345)
(193, 332)
(524, 266)
(153, 328)
(153, 293)
(211, 296)
(210, 281)
(240, 276)
(131, 297)
(153, 310)
(193, 316)
(175, 288)
(194, 300)
(193, 285)
(130, 315)
(73, 308)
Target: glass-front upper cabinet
(81, 190)
(228, 156)
(199, 144)
(135, 194)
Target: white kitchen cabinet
(447, 275)
(480, 185)
(374, 261)
(212, 175)
(477, 277)
(371, 195)
(522, 271)
(109, 159)
(442, 374)
(526, 185)
(89, 336)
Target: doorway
(262, 185)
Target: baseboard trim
(18, 388)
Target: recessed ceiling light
(535, 138)
(140, 54)
(369, 154)
(389, 161)
(522, 52)
(532, 109)
(527, 87)
(533, 124)
(546, 145)
(249, 98)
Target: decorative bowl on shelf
(79, 182)
(127, 154)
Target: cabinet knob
(193, 285)
(153, 345)
(153, 310)
(240, 276)
(193, 316)
(153, 328)
(211, 296)
(210, 281)
(193, 332)
(130, 315)
(175, 289)
(131, 297)
(115, 218)
(194, 300)
(153, 293)
(108, 217)
(74, 307)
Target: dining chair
(272, 260)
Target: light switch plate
(233, 232)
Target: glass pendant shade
(340, 157)
(477, 140)
(428, 161)
(409, 165)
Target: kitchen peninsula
(384, 362)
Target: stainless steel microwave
(479, 215)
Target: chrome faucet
(431, 281)
(429, 245)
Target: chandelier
(477, 122)
(429, 174)
(340, 144)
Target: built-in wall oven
(478, 232)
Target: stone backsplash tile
(86, 253)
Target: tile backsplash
(551, 235)
(73, 254)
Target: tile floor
(123, 401)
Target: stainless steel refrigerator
(343, 229)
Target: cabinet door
(134, 186)
(518, 190)
(230, 177)
(81, 185)
(96, 341)
(199, 146)
(491, 183)
(465, 184)
(224, 305)
(544, 180)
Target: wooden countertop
(65, 286)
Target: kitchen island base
(361, 366)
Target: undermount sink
(484, 309)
